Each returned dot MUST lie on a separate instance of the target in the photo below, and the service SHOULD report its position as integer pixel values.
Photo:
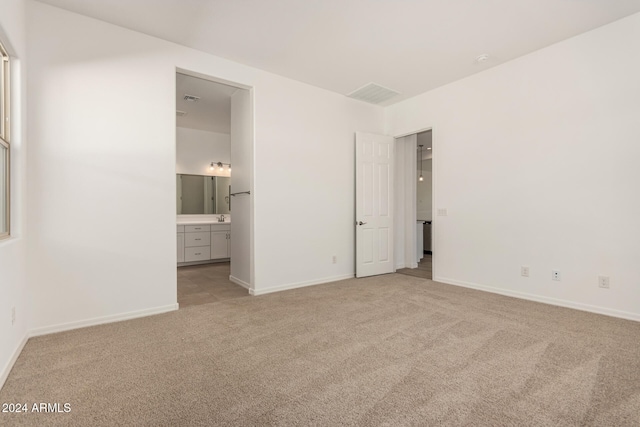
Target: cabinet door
(180, 247)
(219, 244)
(229, 244)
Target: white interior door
(374, 204)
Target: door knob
(360, 223)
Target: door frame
(252, 181)
(434, 197)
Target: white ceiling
(212, 112)
(410, 46)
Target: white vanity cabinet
(199, 243)
(220, 241)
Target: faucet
(221, 218)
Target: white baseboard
(4, 374)
(101, 320)
(272, 289)
(547, 300)
(240, 282)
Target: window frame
(5, 127)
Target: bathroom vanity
(203, 241)
(203, 219)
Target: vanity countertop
(200, 221)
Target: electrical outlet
(555, 275)
(13, 316)
(335, 259)
(524, 271)
(603, 282)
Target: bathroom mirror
(198, 194)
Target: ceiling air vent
(373, 93)
(191, 98)
(181, 113)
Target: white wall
(120, 240)
(305, 182)
(196, 149)
(13, 251)
(536, 162)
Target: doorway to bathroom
(213, 189)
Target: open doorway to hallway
(423, 204)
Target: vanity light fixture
(220, 166)
(421, 177)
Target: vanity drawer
(197, 228)
(220, 227)
(202, 253)
(197, 239)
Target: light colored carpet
(389, 350)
